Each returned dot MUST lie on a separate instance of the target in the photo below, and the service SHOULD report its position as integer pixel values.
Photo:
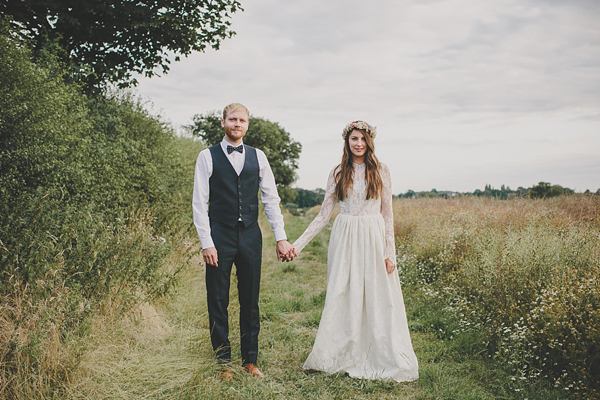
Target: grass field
(164, 352)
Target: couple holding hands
(363, 330)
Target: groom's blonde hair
(233, 107)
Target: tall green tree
(110, 40)
(281, 151)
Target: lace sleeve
(322, 218)
(388, 214)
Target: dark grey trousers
(241, 246)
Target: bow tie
(231, 149)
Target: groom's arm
(270, 198)
(202, 175)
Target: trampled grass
(164, 351)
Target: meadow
(516, 281)
(501, 299)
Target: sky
(464, 93)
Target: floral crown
(360, 125)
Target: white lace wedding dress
(363, 329)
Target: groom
(226, 183)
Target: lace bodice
(356, 204)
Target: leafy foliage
(106, 156)
(281, 151)
(545, 189)
(309, 198)
(94, 196)
(110, 40)
(41, 125)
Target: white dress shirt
(266, 182)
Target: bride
(363, 329)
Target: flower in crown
(360, 125)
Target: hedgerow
(94, 195)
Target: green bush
(95, 195)
(43, 126)
(75, 174)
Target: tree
(109, 40)
(409, 194)
(309, 198)
(281, 151)
(544, 189)
(540, 190)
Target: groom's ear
(222, 123)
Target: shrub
(93, 199)
(42, 126)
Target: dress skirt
(363, 329)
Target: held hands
(285, 251)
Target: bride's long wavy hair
(344, 171)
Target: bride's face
(358, 145)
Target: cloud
(476, 78)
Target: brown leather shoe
(253, 370)
(226, 375)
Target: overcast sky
(463, 92)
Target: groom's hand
(210, 256)
(285, 251)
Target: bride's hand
(389, 266)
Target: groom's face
(235, 126)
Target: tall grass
(518, 280)
(61, 266)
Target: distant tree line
(305, 199)
(539, 191)
(309, 198)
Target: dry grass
(521, 272)
(480, 213)
(37, 355)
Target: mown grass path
(165, 352)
